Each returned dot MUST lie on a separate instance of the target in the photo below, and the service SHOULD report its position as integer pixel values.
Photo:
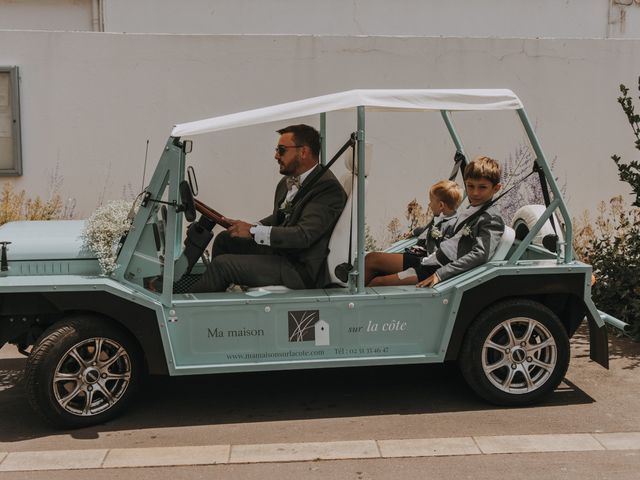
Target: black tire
(517, 369)
(72, 383)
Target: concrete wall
(90, 102)
(624, 19)
(75, 15)
(488, 18)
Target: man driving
(290, 246)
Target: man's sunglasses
(282, 149)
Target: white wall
(90, 101)
(624, 19)
(488, 18)
(74, 15)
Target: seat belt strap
(545, 192)
(323, 168)
(460, 161)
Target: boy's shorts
(422, 271)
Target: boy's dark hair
(304, 135)
(484, 167)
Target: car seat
(527, 216)
(339, 242)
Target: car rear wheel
(515, 353)
(83, 371)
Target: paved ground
(418, 411)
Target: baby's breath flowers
(103, 230)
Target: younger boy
(386, 269)
(478, 228)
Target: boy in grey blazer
(478, 229)
(387, 269)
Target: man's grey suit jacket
(303, 235)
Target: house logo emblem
(306, 326)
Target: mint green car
(90, 337)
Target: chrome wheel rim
(519, 355)
(92, 376)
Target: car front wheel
(515, 353)
(82, 372)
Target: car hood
(45, 240)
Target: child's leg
(381, 263)
(406, 277)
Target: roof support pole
(446, 116)
(323, 138)
(557, 195)
(360, 199)
(452, 131)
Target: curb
(314, 451)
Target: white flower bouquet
(103, 230)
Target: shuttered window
(10, 144)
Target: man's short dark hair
(304, 135)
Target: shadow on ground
(269, 397)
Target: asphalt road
(349, 404)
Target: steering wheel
(211, 214)
(188, 205)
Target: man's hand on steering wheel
(239, 228)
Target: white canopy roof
(380, 100)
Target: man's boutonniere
(286, 208)
(436, 233)
(466, 231)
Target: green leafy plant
(630, 172)
(612, 246)
(370, 244)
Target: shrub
(415, 215)
(16, 205)
(630, 172)
(370, 244)
(612, 247)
